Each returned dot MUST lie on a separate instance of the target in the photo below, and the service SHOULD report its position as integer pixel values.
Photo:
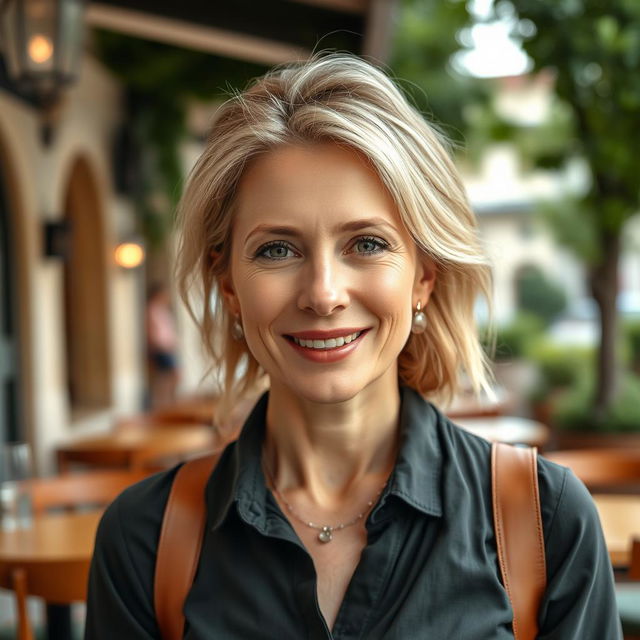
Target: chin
(332, 392)
(330, 389)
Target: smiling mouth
(330, 343)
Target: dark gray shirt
(429, 569)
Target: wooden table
(55, 552)
(509, 429)
(620, 518)
(136, 448)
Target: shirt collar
(239, 476)
(416, 478)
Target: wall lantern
(57, 238)
(42, 45)
(129, 255)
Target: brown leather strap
(180, 543)
(519, 536)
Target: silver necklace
(326, 531)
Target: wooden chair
(602, 470)
(628, 596)
(68, 492)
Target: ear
(225, 284)
(424, 282)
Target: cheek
(261, 299)
(391, 292)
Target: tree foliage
(426, 37)
(539, 295)
(593, 49)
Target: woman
(327, 220)
(162, 343)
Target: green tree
(539, 295)
(427, 34)
(593, 49)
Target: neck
(331, 451)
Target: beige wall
(39, 181)
(515, 240)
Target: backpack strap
(519, 537)
(180, 543)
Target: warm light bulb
(129, 255)
(40, 48)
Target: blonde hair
(343, 99)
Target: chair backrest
(88, 488)
(602, 469)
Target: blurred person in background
(328, 223)
(162, 344)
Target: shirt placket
(370, 580)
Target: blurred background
(105, 105)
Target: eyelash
(381, 244)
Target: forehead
(317, 185)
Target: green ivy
(160, 81)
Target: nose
(323, 286)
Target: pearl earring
(419, 320)
(236, 330)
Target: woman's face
(319, 251)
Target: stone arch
(85, 293)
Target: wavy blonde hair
(343, 99)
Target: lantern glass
(39, 36)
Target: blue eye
(372, 245)
(274, 251)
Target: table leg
(59, 622)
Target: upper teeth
(330, 343)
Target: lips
(326, 353)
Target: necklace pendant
(325, 535)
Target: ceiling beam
(193, 36)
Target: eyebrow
(353, 225)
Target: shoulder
(569, 505)
(468, 453)
(132, 521)
(120, 590)
(561, 493)
(134, 518)
(579, 602)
